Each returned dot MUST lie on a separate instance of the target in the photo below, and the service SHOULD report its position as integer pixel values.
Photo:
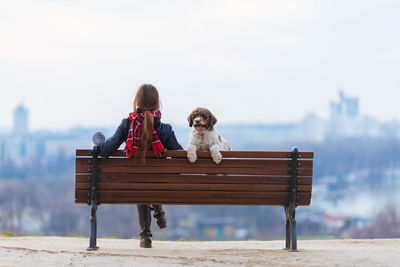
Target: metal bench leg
(287, 228)
(93, 228)
(293, 228)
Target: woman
(141, 131)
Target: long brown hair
(146, 99)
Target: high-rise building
(347, 107)
(345, 120)
(21, 122)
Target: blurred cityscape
(355, 187)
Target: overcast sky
(80, 62)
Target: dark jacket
(164, 132)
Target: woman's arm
(109, 146)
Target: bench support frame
(93, 201)
(290, 208)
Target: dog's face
(202, 120)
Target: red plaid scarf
(133, 140)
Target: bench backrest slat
(188, 178)
(183, 162)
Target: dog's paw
(192, 157)
(216, 157)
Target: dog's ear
(190, 119)
(212, 121)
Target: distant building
(347, 107)
(344, 118)
(21, 121)
(21, 144)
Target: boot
(144, 222)
(159, 214)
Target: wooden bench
(242, 178)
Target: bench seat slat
(189, 194)
(206, 154)
(183, 162)
(133, 198)
(178, 178)
(188, 187)
(205, 201)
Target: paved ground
(68, 251)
